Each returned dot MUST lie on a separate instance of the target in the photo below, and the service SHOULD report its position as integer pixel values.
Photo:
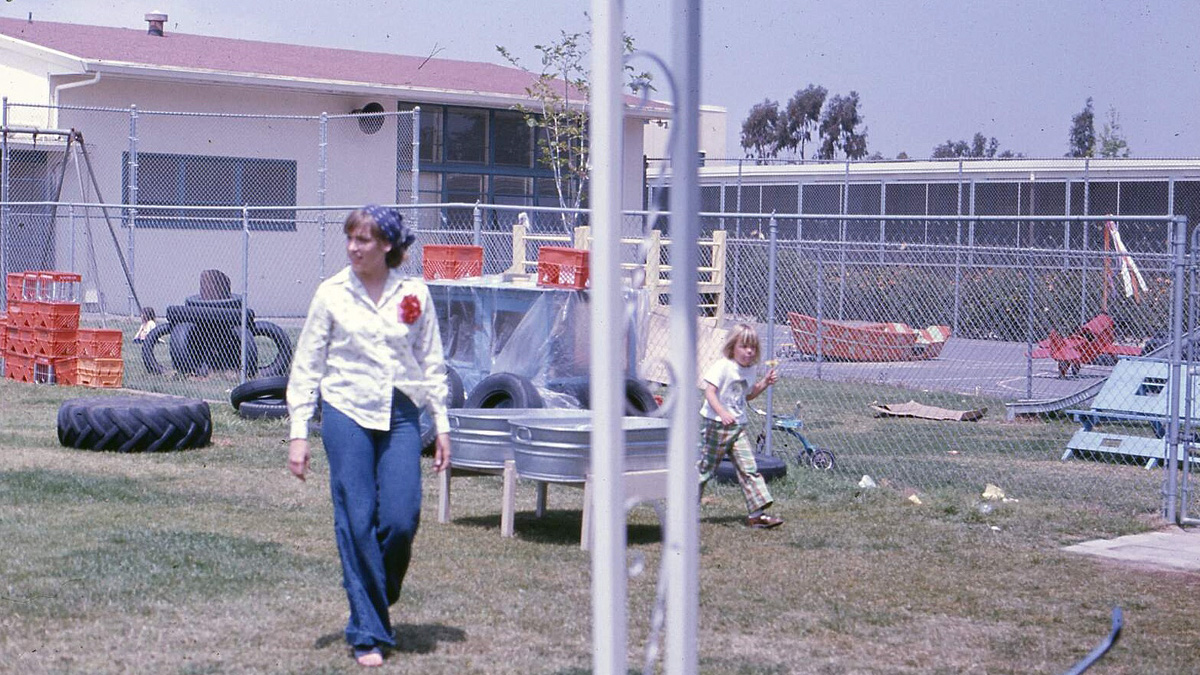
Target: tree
(1112, 142)
(561, 92)
(839, 129)
(980, 146)
(762, 130)
(1082, 138)
(801, 118)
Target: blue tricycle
(791, 425)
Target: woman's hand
(441, 453)
(298, 456)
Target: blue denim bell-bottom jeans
(375, 478)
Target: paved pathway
(1170, 549)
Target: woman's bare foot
(369, 658)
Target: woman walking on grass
(371, 351)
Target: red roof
(103, 46)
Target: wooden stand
(640, 486)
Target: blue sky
(925, 71)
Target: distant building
(1025, 187)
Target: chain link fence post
(772, 264)
(133, 201)
(322, 187)
(4, 215)
(1178, 334)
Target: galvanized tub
(559, 449)
(481, 438)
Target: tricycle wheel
(821, 459)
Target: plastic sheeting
(490, 325)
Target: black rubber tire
(215, 347)
(263, 409)
(638, 399)
(149, 360)
(505, 390)
(232, 302)
(202, 315)
(134, 423)
(183, 358)
(263, 387)
(770, 467)
(281, 365)
(457, 397)
(639, 402)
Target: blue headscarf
(391, 224)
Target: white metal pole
(683, 510)
(609, 589)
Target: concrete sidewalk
(1172, 549)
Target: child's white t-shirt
(732, 382)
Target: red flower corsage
(410, 309)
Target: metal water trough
(481, 437)
(559, 449)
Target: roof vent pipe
(156, 20)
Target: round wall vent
(370, 121)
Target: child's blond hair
(742, 334)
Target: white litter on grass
(914, 499)
(993, 493)
(867, 482)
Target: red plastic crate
(3, 333)
(13, 283)
(21, 340)
(55, 343)
(17, 367)
(102, 343)
(56, 315)
(54, 371)
(446, 261)
(100, 372)
(55, 286)
(22, 314)
(560, 267)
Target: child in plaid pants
(723, 421)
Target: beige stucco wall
(284, 267)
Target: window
(197, 180)
(466, 135)
(514, 139)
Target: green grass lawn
(215, 560)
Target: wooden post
(518, 249)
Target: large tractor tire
(134, 423)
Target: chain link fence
(994, 317)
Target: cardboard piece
(928, 412)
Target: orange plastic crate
(22, 314)
(54, 286)
(55, 343)
(13, 283)
(100, 343)
(560, 267)
(446, 261)
(54, 371)
(17, 367)
(21, 341)
(57, 315)
(100, 372)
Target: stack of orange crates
(42, 342)
(100, 363)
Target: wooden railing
(657, 279)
